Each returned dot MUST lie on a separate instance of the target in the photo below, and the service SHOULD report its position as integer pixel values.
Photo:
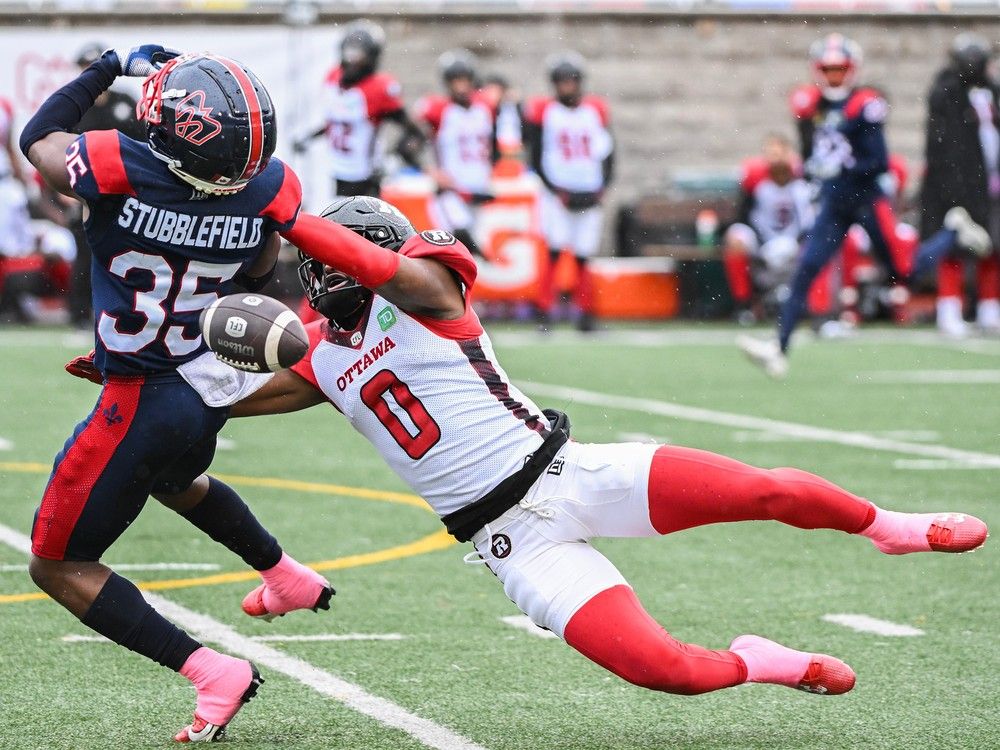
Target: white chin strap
(204, 186)
(836, 93)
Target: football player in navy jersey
(846, 154)
(172, 223)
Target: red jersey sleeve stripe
(286, 204)
(104, 152)
(303, 368)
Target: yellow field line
(439, 540)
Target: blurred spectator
(10, 157)
(35, 257)
(462, 127)
(504, 102)
(960, 199)
(572, 151)
(113, 110)
(760, 249)
(359, 100)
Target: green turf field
(890, 412)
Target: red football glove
(83, 367)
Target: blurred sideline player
(402, 354)
(776, 211)
(358, 99)
(171, 222)
(960, 198)
(845, 152)
(462, 126)
(572, 151)
(10, 160)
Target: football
(254, 333)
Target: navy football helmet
(211, 120)
(334, 294)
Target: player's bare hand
(143, 60)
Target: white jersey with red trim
(463, 140)
(429, 395)
(575, 142)
(6, 125)
(353, 115)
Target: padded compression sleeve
(339, 247)
(67, 106)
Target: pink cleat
(224, 684)
(288, 586)
(772, 663)
(897, 533)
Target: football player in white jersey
(403, 356)
(357, 100)
(572, 151)
(10, 160)
(462, 126)
(760, 248)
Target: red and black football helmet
(211, 120)
(835, 52)
(333, 294)
(566, 71)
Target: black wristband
(67, 106)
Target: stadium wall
(685, 91)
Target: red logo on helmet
(194, 120)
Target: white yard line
(225, 444)
(329, 637)
(866, 624)
(523, 622)
(130, 566)
(643, 437)
(747, 422)
(928, 377)
(939, 464)
(207, 629)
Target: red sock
(613, 630)
(583, 295)
(988, 278)
(689, 488)
(950, 278)
(737, 267)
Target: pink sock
(898, 533)
(771, 662)
(220, 681)
(291, 585)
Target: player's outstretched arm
(285, 392)
(418, 285)
(46, 136)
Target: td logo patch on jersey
(386, 318)
(438, 237)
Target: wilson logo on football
(194, 121)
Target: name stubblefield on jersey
(222, 231)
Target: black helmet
(568, 65)
(457, 63)
(970, 54)
(211, 120)
(334, 294)
(360, 50)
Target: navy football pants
(146, 435)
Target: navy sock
(120, 614)
(224, 516)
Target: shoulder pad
(804, 101)
(601, 106)
(755, 171)
(868, 104)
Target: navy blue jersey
(163, 252)
(850, 134)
